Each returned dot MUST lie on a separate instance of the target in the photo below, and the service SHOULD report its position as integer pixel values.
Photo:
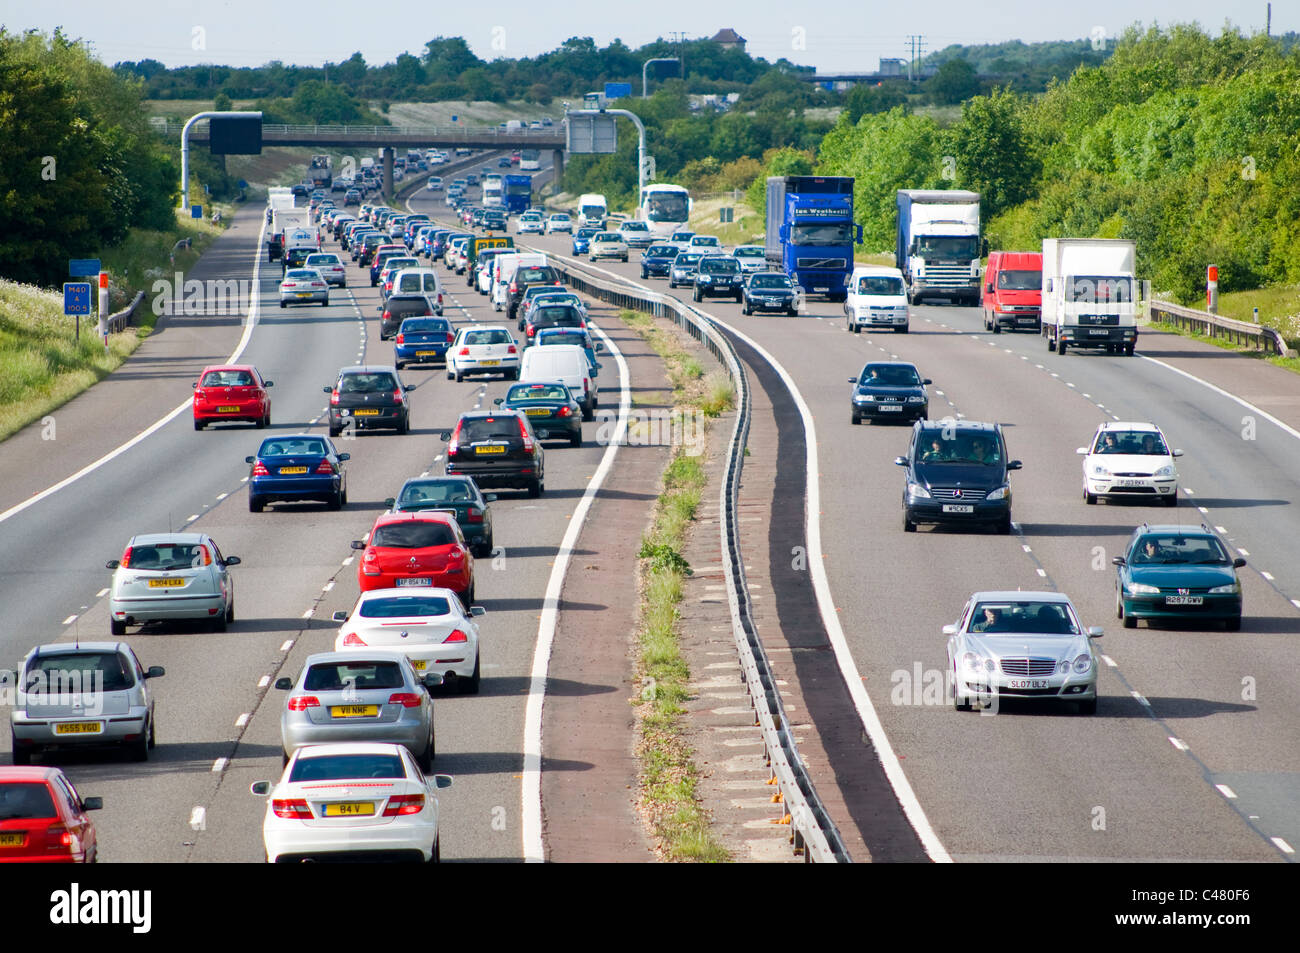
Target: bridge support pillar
(557, 171)
(388, 172)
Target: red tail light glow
(259, 469)
(475, 515)
(523, 432)
(388, 316)
(511, 349)
(450, 337)
(126, 558)
(353, 639)
(397, 396)
(334, 398)
(405, 699)
(325, 468)
(564, 412)
(303, 702)
(456, 636)
(464, 352)
(401, 339)
(400, 804)
(295, 808)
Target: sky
(831, 35)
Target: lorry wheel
(1051, 345)
(1061, 346)
(1128, 350)
(997, 327)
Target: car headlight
(1099, 471)
(999, 494)
(867, 398)
(976, 664)
(1166, 471)
(1083, 664)
(917, 491)
(1225, 590)
(1143, 589)
(915, 400)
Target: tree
(994, 153)
(222, 103)
(880, 98)
(955, 82)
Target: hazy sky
(830, 35)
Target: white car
(607, 245)
(1024, 645)
(426, 624)
(636, 233)
(483, 349)
(681, 239)
(304, 286)
(330, 267)
(351, 798)
(704, 245)
(530, 223)
(559, 222)
(435, 183)
(752, 258)
(1132, 460)
(163, 577)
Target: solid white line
(242, 720)
(1223, 393)
(1178, 743)
(69, 620)
(161, 422)
(264, 681)
(101, 594)
(534, 848)
(1226, 791)
(287, 645)
(219, 765)
(1282, 845)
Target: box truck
(938, 246)
(1089, 294)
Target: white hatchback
(1131, 460)
(483, 349)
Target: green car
(453, 494)
(550, 408)
(1177, 573)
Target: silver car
(83, 693)
(1021, 645)
(328, 264)
(304, 286)
(371, 695)
(169, 576)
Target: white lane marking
(242, 720)
(220, 765)
(69, 620)
(1203, 510)
(534, 848)
(102, 593)
(243, 479)
(1226, 791)
(264, 681)
(1242, 551)
(1178, 743)
(1223, 393)
(348, 561)
(424, 474)
(161, 422)
(328, 586)
(222, 496)
(1296, 603)
(1282, 845)
(1140, 699)
(286, 645)
(192, 517)
(1189, 491)
(1221, 529)
(1043, 573)
(1267, 575)
(1025, 548)
(307, 614)
(1109, 661)
(197, 817)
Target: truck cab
(938, 245)
(1090, 294)
(1013, 291)
(811, 232)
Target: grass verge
(668, 797)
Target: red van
(1013, 291)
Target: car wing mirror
(441, 781)
(1238, 563)
(432, 680)
(1015, 465)
(1082, 450)
(389, 502)
(499, 401)
(1095, 632)
(900, 461)
(326, 390)
(853, 380)
(233, 560)
(92, 803)
(477, 610)
(111, 564)
(260, 788)
(1178, 453)
(249, 459)
(445, 435)
(950, 629)
(491, 497)
(284, 684)
(268, 383)
(344, 457)
(1118, 561)
(340, 615)
(155, 671)
(358, 544)
(194, 385)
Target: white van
(419, 281)
(877, 298)
(503, 270)
(592, 211)
(567, 363)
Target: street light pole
(645, 66)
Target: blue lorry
(810, 231)
(518, 192)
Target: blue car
(303, 466)
(582, 240)
(422, 341)
(577, 336)
(657, 260)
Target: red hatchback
(43, 820)
(416, 549)
(231, 392)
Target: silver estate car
(360, 696)
(163, 577)
(83, 693)
(1021, 645)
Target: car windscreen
(886, 285)
(1020, 280)
(486, 337)
(934, 447)
(1141, 443)
(83, 671)
(634, 227)
(416, 534)
(705, 241)
(417, 326)
(347, 767)
(436, 491)
(661, 251)
(25, 800)
(686, 259)
(719, 266)
(396, 607)
(770, 281)
(587, 232)
(367, 383)
(890, 375)
(537, 392)
(533, 273)
(749, 253)
(997, 617)
(1174, 548)
(301, 447)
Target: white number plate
(958, 508)
(414, 581)
(890, 408)
(1027, 683)
(1130, 483)
(1098, 332)
(1184, 600)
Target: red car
(231, 392)
(43, 820)
(416, 549)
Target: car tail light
(405, 699)
(207, 556)
(388, 316)
(259, 469)
(334, 398)
(303, 702)
(450, 337)
(456, 636)
(511, 349)
(475, 515)
(513, 287)
(563, 412)
(531, 330)
(401, 339)
(198, 394)
(126, 558)
(295, 808)
(523, 432)
(464, 352)
(397, 396)
(325, 468)
(353, 639)
(400, 804)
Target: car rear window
(476, 429)
(169, 556)
(408, 306)
(417, 325)
(322, 260)
(437, 491)
(227, 379)
(557, 315)
(574, 336)
(361, 675)
(301, 274)
(533, 273)
(25, 800)
(486, 337)
(416, 534)
(367, 383)
(345, 767)
(78, 672)
(537, 392)
(290, 448)
(397, 607)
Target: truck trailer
(810, 231)
(1089, 294)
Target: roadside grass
(747, 229)
(669, 778)
(1279, 307)
(1286, 363)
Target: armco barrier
(126, 317)
(812, 829)
(1216, 326)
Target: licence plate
(1184, 600)
(419, 664)
(1027, 683)
(227, 410)
(1098, 332)
(350, 809)
(490, 449)
(165, 583)
(1130, 483)
(426, 353)
(890, 408)
(536, 412)
(304, 294)
(287, 471)
(958, 508)
(11, 840)
(366, 412)
(415, 581)
(489, 363)
(354, 711)
(821, 289)
(79, 728)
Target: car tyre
(997, 327)
(22, 756)
(1172, 499)
(696, 295)
(425, 759)
(745, 308)
(255, 504)
(218, 623)
(535, 489)
(436, 856)
(1061, 346)
(1004, 528)
(199, 425)
(794, 313)
(1088, 707)
(469, 686)
(1233, 624)
(138, 750)
(1089, 498)
(908, 525)
(856, 417)
(459, 377)
(116, 628)
(959, 702)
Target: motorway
(217, 721)
(1194, 754)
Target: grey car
(165, 577)
(355, 696)
(83, 693)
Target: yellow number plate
(350, 809)
(488, 363)
(286, 471)
(366, 412)
(354, 711)
(78, 728)
(166, 583)
(537, 411)
(227, 410)
(11, 840)
(419, 664)
(426, 353)
(304, 294)
(489, 449)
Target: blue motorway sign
(196, 211)
(83, 267)
(617, 90)
(76, 297)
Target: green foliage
(664, 558)
(1029, 67)
(862, 99)
(783, 161)
(994, 151)
(955, 82)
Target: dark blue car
(657, 260)
(303, 466)
(422, 341)
(582, 240)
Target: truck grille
(1038, 667)
(1099, 320)
(954, 275)
(828, 264)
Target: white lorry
(283, 222)
(592, 211)
(1089, 294)
(938, 246)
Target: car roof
(28, 773)
(362, 369)
(890, 364)
(150, 539)
(76, 648)
(499, 412)
(348, 747)
(1021, 595)
(872, 270)
(227, 367)
(483, 327)
(960, 425)
(408, 590)
(1128, 425)
(413, 516)
(1179, 529)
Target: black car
(496, 448)
(531, 292)
(296, 257)
(889, 390)
(552, 316)
(550, 408)
(525, 276)
(400, 307)
(719, 276)
(494, 220)
(957, 472)
(658, 260)
(770, 291)
(453, 494)
(369, 397)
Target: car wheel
(451, 375)
(255, 504)
(1004, 528)
(336, 501)
(739, 297)
(260, 423)
(282, 304)
(399, 365)
(794, 313)
(959, 701)
(230, 611)
(1172, 498)
(218, 623)
(1233, 624)
(855, 417)
(425, 760)
(696, 294)
(997, 327)
(575, 440)
(908, 525)
(116, 628)
(199, 425)
(436, 856)
(138, 750)
(1089, 498)
(459, 377)
(404, 425)
(153, 733)
(1061, 346)
(903, 330)
(535, 489)
(325, 303)
(469, 686)
(1088, 707)
(22, 756)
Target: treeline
(448, 70)
(79, 165)
(1187, 143)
